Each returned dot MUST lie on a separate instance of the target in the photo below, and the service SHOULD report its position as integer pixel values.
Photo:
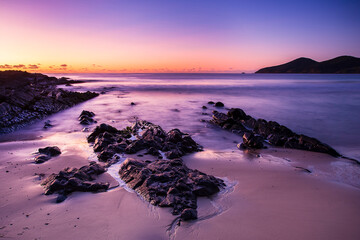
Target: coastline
(273, 196)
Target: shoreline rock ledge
(162, 182)
(26, 97)
(169, 183)
(257, 131)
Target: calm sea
(320, 105)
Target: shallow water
(320, 105)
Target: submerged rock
(169, 183)
(255, 131)
(72, 179)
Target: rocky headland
(25, 97)
(342, 64)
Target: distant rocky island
(25, 97)
(342, 64)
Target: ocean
(324, 106)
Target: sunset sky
(173, 35)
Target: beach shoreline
(273, 193)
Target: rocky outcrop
(169, 183)
(25, 97)
(254, 131)
(46, 154)
(72, 179)
(109, 141)
(86, 117)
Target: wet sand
(270, 199)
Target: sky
(173, 35)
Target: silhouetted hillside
(342, 64)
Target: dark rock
(188, 214)
(174, 153)
(237, 114)
(42, 158)
(28, 97)
(252, 141)
(101, 129)
(169, 183)
(47, 124)
(132, 104)
(86, 117)
(135, 146)
(50, 151)
(219, 104)
(204, 107)
(219, 118)
(87, 113)
(256, 131)
(153, 151)
(108, 141)
(60, 198)
(72, 179)
(211, 103)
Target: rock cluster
(46, 154)
(72, 179)
(255, 131)
(86, 117)
(143, 135)
(169, 183)
(25, 97)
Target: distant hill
(342, 64)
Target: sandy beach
(267, 199)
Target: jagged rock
(108, 141)
(220, 118)
(86, 117)
(27, 97)
(237, 114)
(169, 183)
(252, 141)
(72, 179)
(153, 151)
(101, 129)
(254, 131)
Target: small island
(342, 64)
